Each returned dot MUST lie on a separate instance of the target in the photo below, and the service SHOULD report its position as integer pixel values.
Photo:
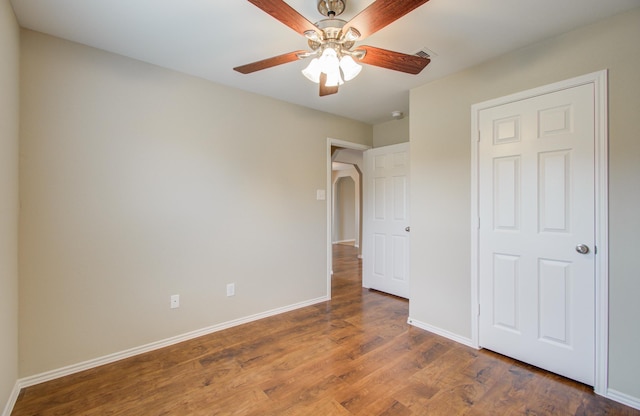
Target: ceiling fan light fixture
(331, 41)
(358, 53)
(330, 65)
(337, 66)
(312, 71)
(329, 60)
(312, 35)
(333, 78)
(350, 69)
(351, 35)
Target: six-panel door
(536, 199)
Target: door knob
(407, 229)
(582, 248)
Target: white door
(537, 219)
(385, 264)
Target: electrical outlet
(175, 301)
(231, 289)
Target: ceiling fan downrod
(331, 8)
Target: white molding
(354, 174)
(13, 398)
(351, 240)
(441, 332)
(601, 117)
(599, 80)
(623, 398)
(475, 227)
(107, 359)
(346, 144)
(33, 380)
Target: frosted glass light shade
(329, 61)
(312, 71)
(333, 78)
(335, 68)
(350, 69)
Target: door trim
(329, 197)
(599, 80)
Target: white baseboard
(623, 398)
(107, 359)
(611, 394)
(442, 332)
(12, 400)
(614, 395)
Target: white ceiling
(207, 38)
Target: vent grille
(425, 53)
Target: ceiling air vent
(425, 53)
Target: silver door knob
(407, 229)
(582, 248)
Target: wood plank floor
(354, 355)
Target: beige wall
(9, 122)
(391, 132)
(345, 209)
(440, 181)
(138, 183)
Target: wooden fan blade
(381, 13)
(286, 14)
(411, 64)
(324, 90)
(268, 63)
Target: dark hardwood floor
(354, 355)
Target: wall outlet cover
(231, 289)
(175, 301)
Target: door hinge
(478, 309)
(478, 136)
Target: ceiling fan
(331, 41)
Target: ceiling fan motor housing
(332, 37)
(331, 8)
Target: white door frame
(329, 193)
(599, 80)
